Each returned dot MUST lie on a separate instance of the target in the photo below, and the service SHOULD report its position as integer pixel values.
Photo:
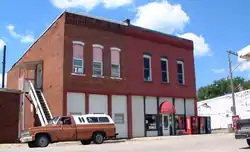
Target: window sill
(148, 81)
(76, 74)
(182, 85)
(165, 83)
(116, 78)
(97, 76)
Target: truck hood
(42, 128)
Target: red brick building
(82, 64)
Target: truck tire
(86, 142)
(248, 142)
(98, 138)
(31, 144)
(42, 141)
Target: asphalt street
(200, 143)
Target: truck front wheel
(98, 138)
(32, 144)
(85, 142)
(42, 141)
(248, 142)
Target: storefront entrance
(166, 123)
(167, 111)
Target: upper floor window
(147, 68)
(164, 70)
(180, 72)
(115, 62)
(78, 61)
(97, 60)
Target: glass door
(39, 77)
(165, 125)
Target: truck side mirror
(60, 123)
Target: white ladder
(37, 105)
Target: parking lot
(201, 143)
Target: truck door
(67, 129)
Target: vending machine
(192, 123)
(208, 125)
(234, 119)
(202, 125)
(205, 125)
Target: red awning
(167, 108)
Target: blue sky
(215, 26)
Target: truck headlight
(25, 133)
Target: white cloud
(161, 16)
(89, 4)
(245, 65)
(27, 38)
(218, 70)
(5, 82)
(201, 48)
(116, 3)
(2, 43)
(169, 18)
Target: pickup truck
(84, 128)
(242, 130)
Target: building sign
(119, 118)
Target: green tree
(221, 87)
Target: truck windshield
(53, 121)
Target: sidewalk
(122, 140)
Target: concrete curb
(173, 137)
(16, 145)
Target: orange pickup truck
(84, 128)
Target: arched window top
(164, 59)
(79, 43)
(115, 49)
(147, 56)
(180, 62)
(98, 46)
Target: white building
(219, 109)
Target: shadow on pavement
(245, 148)
(114, 141)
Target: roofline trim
(125, 24)
(165, 34)
(97, 17)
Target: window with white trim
(180, 72)
(97, 60)
(164, 70)
(78, 54)
(115, 63)
(147, 68)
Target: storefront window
(150, 122)
(180, 122)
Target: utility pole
(3, 66)
(231, 79)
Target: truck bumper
(26, 139)
(242, 136)
(113, 137)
